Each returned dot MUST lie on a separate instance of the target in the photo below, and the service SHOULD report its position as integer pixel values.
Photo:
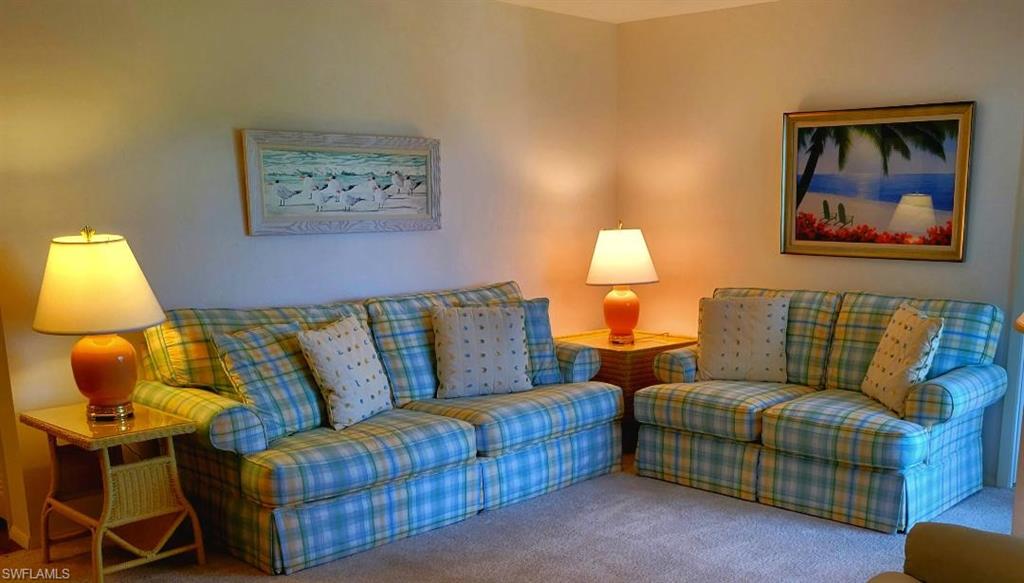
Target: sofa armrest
(955, 393)
(676, 366)
(221, 423)
(577, 362)
(944, 552)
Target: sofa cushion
(729, 409)
(181, 349)
(405, 336)
(808, 332)
(970, 334)
(324, 463)
(845, 426)
(505, 422)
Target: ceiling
(619, 11)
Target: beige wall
(124, 115)
(701, 99)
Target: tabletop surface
(70, 422)
(643, 340)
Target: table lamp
(93, 287)
(621, 259)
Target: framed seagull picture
(309, 183)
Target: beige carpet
(614, 528)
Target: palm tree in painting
(926, 136)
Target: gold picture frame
(885, 183)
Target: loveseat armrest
(577, 362)
(676, 366)
(221, 423)
(955, 393)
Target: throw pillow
(544, 369)
(345, 365)
(742, 339)
(267, 369)
(903, 357)
(480, 351)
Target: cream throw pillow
(742, 339)
(345, 364)
(481, 351)
(903, 357)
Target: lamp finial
(87, 233)
(620, 224)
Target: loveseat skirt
(552, 464)
(286, 539)
(697, 460)
(883, 500)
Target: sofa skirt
(552, 464)
(698, 460)
(884, 500)
(291, 538)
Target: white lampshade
(914, 214)
(93, 285)
(621, 258)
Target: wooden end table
(630, 366)
(101, 481)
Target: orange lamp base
(621, 314)
(105, 371)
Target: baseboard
(17, 535)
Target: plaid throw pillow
(267, 369)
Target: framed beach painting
(887, 183)
(307, 182)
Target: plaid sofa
(297, 501)
(816, 444)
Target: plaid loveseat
(815, 444)
(297, 501)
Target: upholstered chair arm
(676, 366)
(577, 362)
(221, 423)
(955, 393)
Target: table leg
(44, 529)
(97, 554)
(197, 532)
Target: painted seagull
(283, 192)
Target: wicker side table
(630, 366)
(101, 482)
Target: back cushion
(970, 334)
(811, 316)
(404, 333)
(181, 349)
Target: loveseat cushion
(505, 422)
(403, 329)
(970, 334)
(808, 332)
(845, 426)
(181, 349)
(729, 409)
(323, 463)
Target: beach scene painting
(306, 182)
(888, 183)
